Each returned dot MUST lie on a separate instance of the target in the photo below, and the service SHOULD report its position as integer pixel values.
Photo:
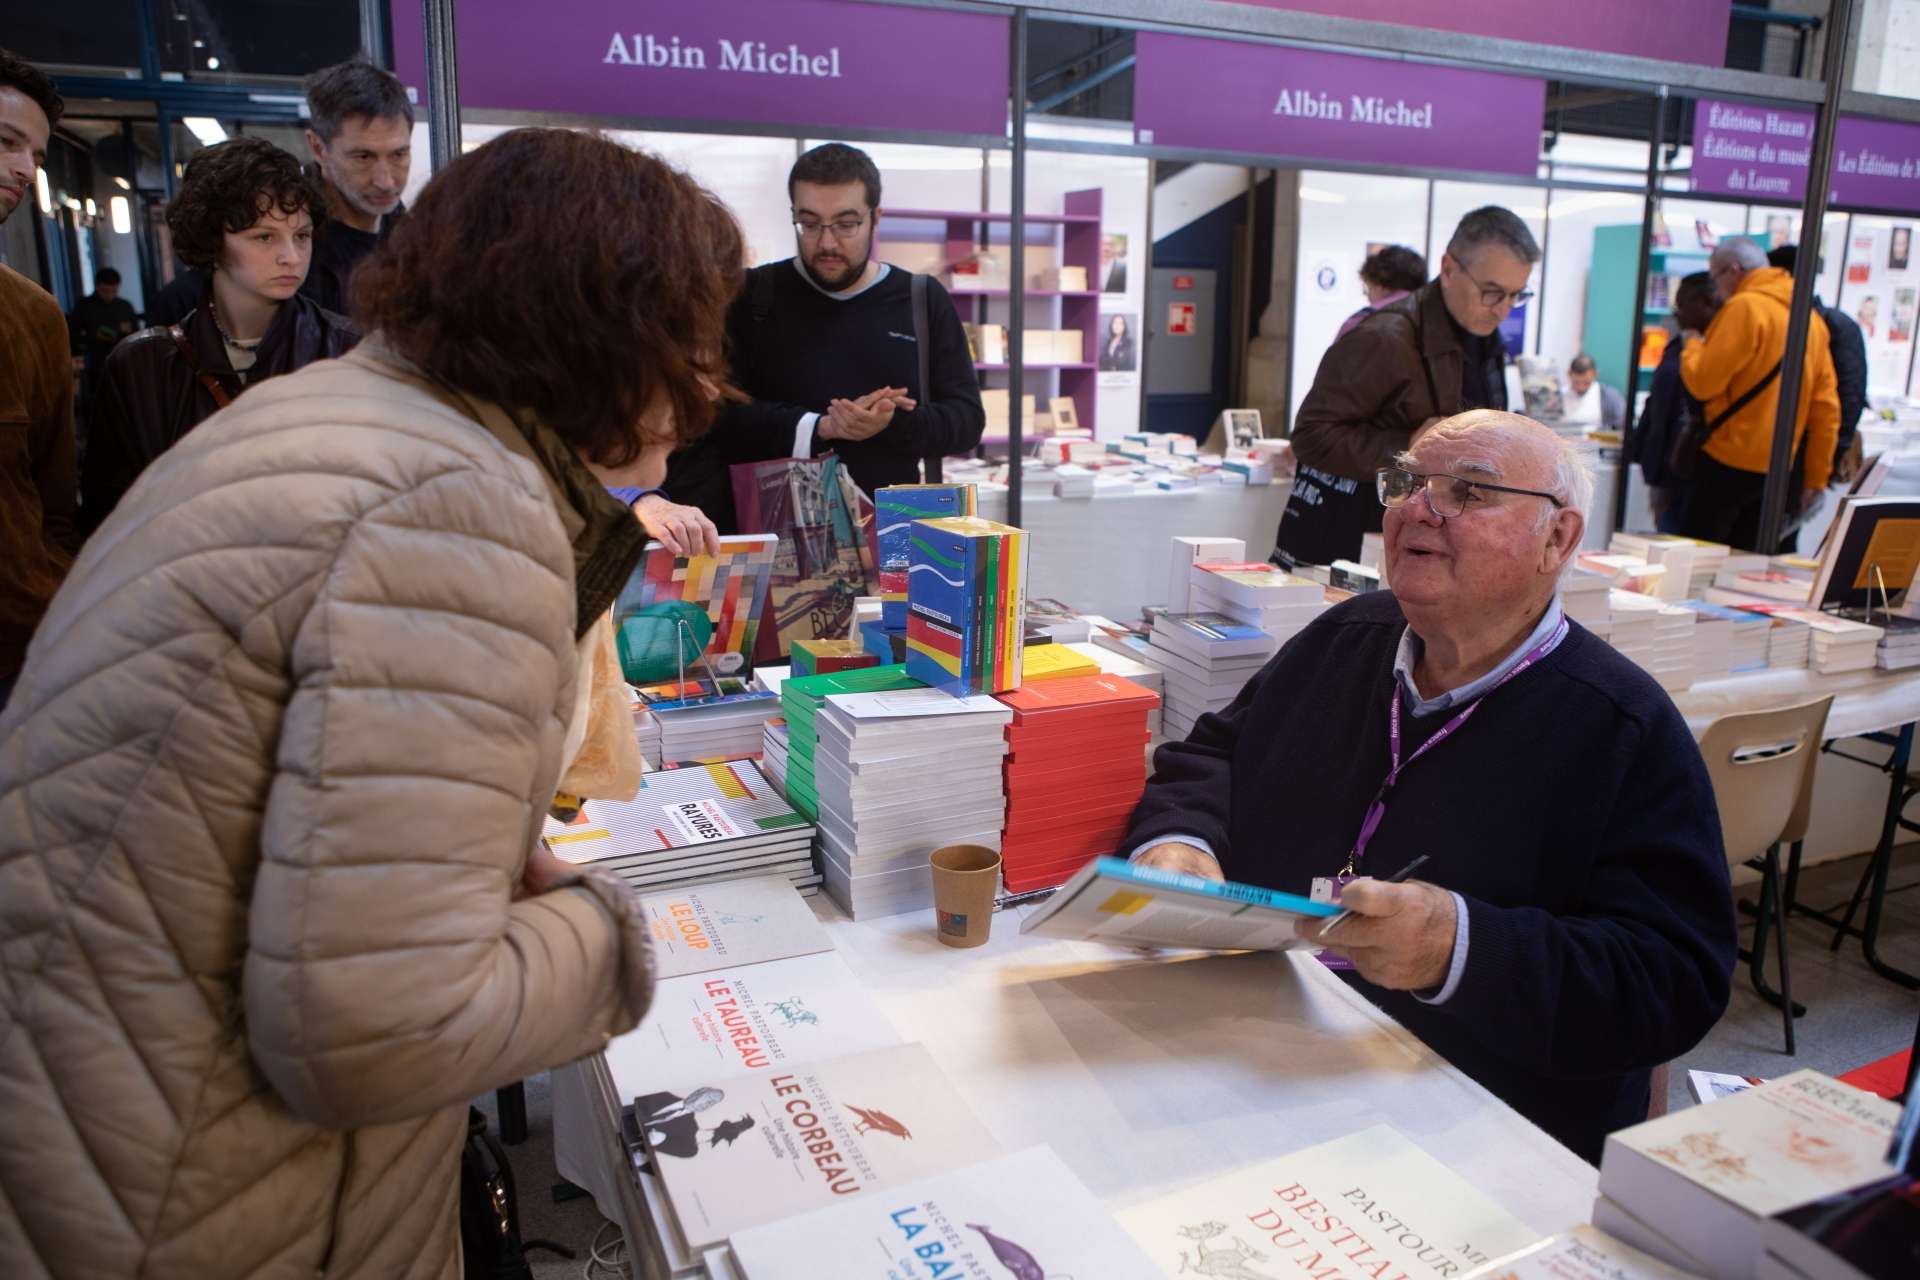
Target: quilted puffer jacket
(267, 788)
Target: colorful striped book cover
(896, 507)
(730, 589)
(967, 605)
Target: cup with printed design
(965, 878)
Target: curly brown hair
(564, 275)
(229, 187)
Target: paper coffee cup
(965, 878)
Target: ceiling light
(123, 184)
(46, 196)
(1318, 196)
(72, 204)
(93, 210)
(213, 64)
(122, 214)
(205, 128)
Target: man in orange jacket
(1734, 371)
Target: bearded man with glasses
(1572, 925)
(1435, 353)
(826, 345)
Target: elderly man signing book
(1572, 926)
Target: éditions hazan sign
(1764, 153)
(808, 62)
(1232, 96)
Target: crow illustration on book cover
(879, 1122)
(1013, 1257)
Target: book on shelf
(1369, 1203)
(1023, 1216)
(1112, 900)
(1583, 1253)
(727, 925)
(737, 1151)
(1706, 1179)
(966, 599)
(679, 612)
(748, 1019)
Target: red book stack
(1075, 768)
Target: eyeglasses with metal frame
(840, 227)
(1396, 487)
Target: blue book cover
(1113, 900)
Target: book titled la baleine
(716, 926)
(736, 1151)
(1023, 1215)
(1366, 1206)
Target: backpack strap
(221, 398)
(931, 466)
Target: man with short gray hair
(360, 130)
(1572, 926)
(1429, 356)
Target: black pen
(1395, 878)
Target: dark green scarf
(609, 548)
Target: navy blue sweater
(1573, 813)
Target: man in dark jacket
(825, 344)
(37, 489)
(98, 322)
(1574, 926)
(360, 130)
(1669, 407)
(1849, 349)
(1426, 357)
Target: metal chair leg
(1766, 915)
(512, 1100)
(1787, 1008)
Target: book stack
(1583, 598)
(1900, 646)
(900, 774)
(1261, 595)
(1071, 480)
(1056, 662)
(1656, 636)
(689, 826)
(1695, 1188)
(646, 730)
(1727, 640)
(773, 755)
(1205, 659)
(966, 616)
(1581, 1253)
(1785, 579)
(1703, 561)
(800, 703)
(1144, 674)
(1841, 644)
(1789, 638)
(709, 720)
(1186, 553)
(895, 508)
(823, 657)
(1075, 767)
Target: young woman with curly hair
(273, 902)
(245, 217)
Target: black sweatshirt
(1573, 813)
(793, 348)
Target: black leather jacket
(151, 394)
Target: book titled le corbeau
(741, 1150)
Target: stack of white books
(723, 729)
(1186, 552)
(769, 679)
(1728, 640)
(1141, 673)
(1705, 560)
(1789, 641)
(1656, 636)
(1583, 598)
(1204, 659)
(1695, 1188)
(774, 750)
(690, 826)
(1783, 578)
(1840, 644)
(646, 731)
(900, 774)
(1900, 646)
(1260, 595)
(1071, 480)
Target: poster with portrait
(1118, 354)
(1113, 262)
(1900, 326)
(1779, 229)
(1899, 246)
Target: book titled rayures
(1112, 900)
(966, 598)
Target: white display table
(1145, 1074)
(1109, 555)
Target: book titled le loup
(1113, 900)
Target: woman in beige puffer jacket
(272, 907)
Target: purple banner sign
(1763, 153)
(1690, 31)
(1876, 164)
(1224, 95)
(776, 62)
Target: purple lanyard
(1378, 809)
